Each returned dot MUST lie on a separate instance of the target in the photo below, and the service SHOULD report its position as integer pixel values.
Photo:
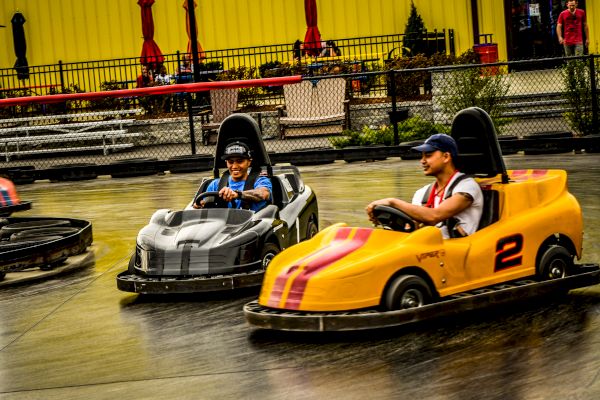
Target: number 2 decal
(508, 252)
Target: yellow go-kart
(348, 278)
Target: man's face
(433, 162)
(571, 5)
(238, 167)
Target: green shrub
(414, 128)
(475, 87)
(578, 92)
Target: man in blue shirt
(238, 157)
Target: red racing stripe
(279, 285)
(314, 266)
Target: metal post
(188, 98)
(392, 78)
(594, 90)
(61, 77)
(194, 40)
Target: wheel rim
(411, 298)
(267, 259)
(557, 269)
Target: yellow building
(83, 30)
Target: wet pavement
(76, 336)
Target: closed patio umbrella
(151, 54)
(312, 39)
(21, 65)
(201, 54)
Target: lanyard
(431, 200)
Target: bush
(474, 87)
(578, 92)
(414, 128)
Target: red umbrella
(201, 55)
(151, 54)
(312, 39)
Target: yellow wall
(82, 30)
(593, 17)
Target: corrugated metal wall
(81, 30)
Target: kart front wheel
(269, 251)
(311, 229)
(555, 263)
(407, 291)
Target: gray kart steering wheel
(211, 200)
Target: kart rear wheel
(269, 251)
(555, 263)
(2, 275)
(407, 291)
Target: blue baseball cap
(441, 142)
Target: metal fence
(245, 63)
(319, 118)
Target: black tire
(311, 229)
(61, 231)
(8, 230)
(267, 253)
(556, 262)
(2, 275)
(407, 291)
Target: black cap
(236, 149)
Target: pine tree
(413, 33)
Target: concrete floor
(76, 336)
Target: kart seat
(279, 194)
(491, 208)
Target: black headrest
(478, 147)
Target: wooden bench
(317, 107)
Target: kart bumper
(191, 284)
(276, 319)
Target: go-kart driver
(238, 157)
(453, 203)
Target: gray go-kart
(217, 248)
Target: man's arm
(425, 215)
(586, 29)
(255, 195)
(559, 32)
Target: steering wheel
(211, 200)
(394, 219)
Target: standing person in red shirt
(574, 22)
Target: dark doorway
(531, 28)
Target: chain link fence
(317, 118)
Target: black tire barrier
(20, 175)
(406, 151)
(33, 239)
(548, 143)
(191, 163)
(73, 172)
(60, 231)
(315, 156)
(8, 230)
(134, 167)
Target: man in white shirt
(453, 203)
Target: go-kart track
(77, 336)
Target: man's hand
(371, 206)
(228, 195)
